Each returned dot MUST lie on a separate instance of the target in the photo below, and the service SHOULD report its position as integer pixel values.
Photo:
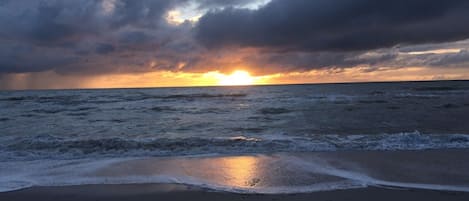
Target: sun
(237, 78)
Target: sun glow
(236, 78)
(21, 81)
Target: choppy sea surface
(57, 126)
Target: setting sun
(238, 77)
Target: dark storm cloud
(142, 13)
(435, 46)
(104, 48)
(134, 37)
(304, 61)
(460, 59)
(72, 36)
(20, 57)
(221, 3)
(337, 25)
(47, 22)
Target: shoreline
(176, 192)
(276, 173)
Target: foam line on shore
(266, 174)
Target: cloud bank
(90, 37)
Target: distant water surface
(251, 139)
(68, 124)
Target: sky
(50, 44)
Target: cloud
(104, 48)
(221, 3)
(96, 37)
(460, 59)
(75, 36)
(336, 25)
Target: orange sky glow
(237, 77)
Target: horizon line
(232, 86)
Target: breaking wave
(47, 147)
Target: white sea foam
(367, 180)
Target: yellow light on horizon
(53, 80)
(236, 78)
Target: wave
(274, 110)
(73, 100)
(50, 147)
(85, 172)
(373, 101)
(37, 98)
(201, 95)
(440, 88)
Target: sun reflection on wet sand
(242, 171)
(231, 171)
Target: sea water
(77, 132)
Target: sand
(154, 192)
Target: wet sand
(371, 175)
(153, 192)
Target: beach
(378, 141)
(352, 175)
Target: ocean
(244, 139)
